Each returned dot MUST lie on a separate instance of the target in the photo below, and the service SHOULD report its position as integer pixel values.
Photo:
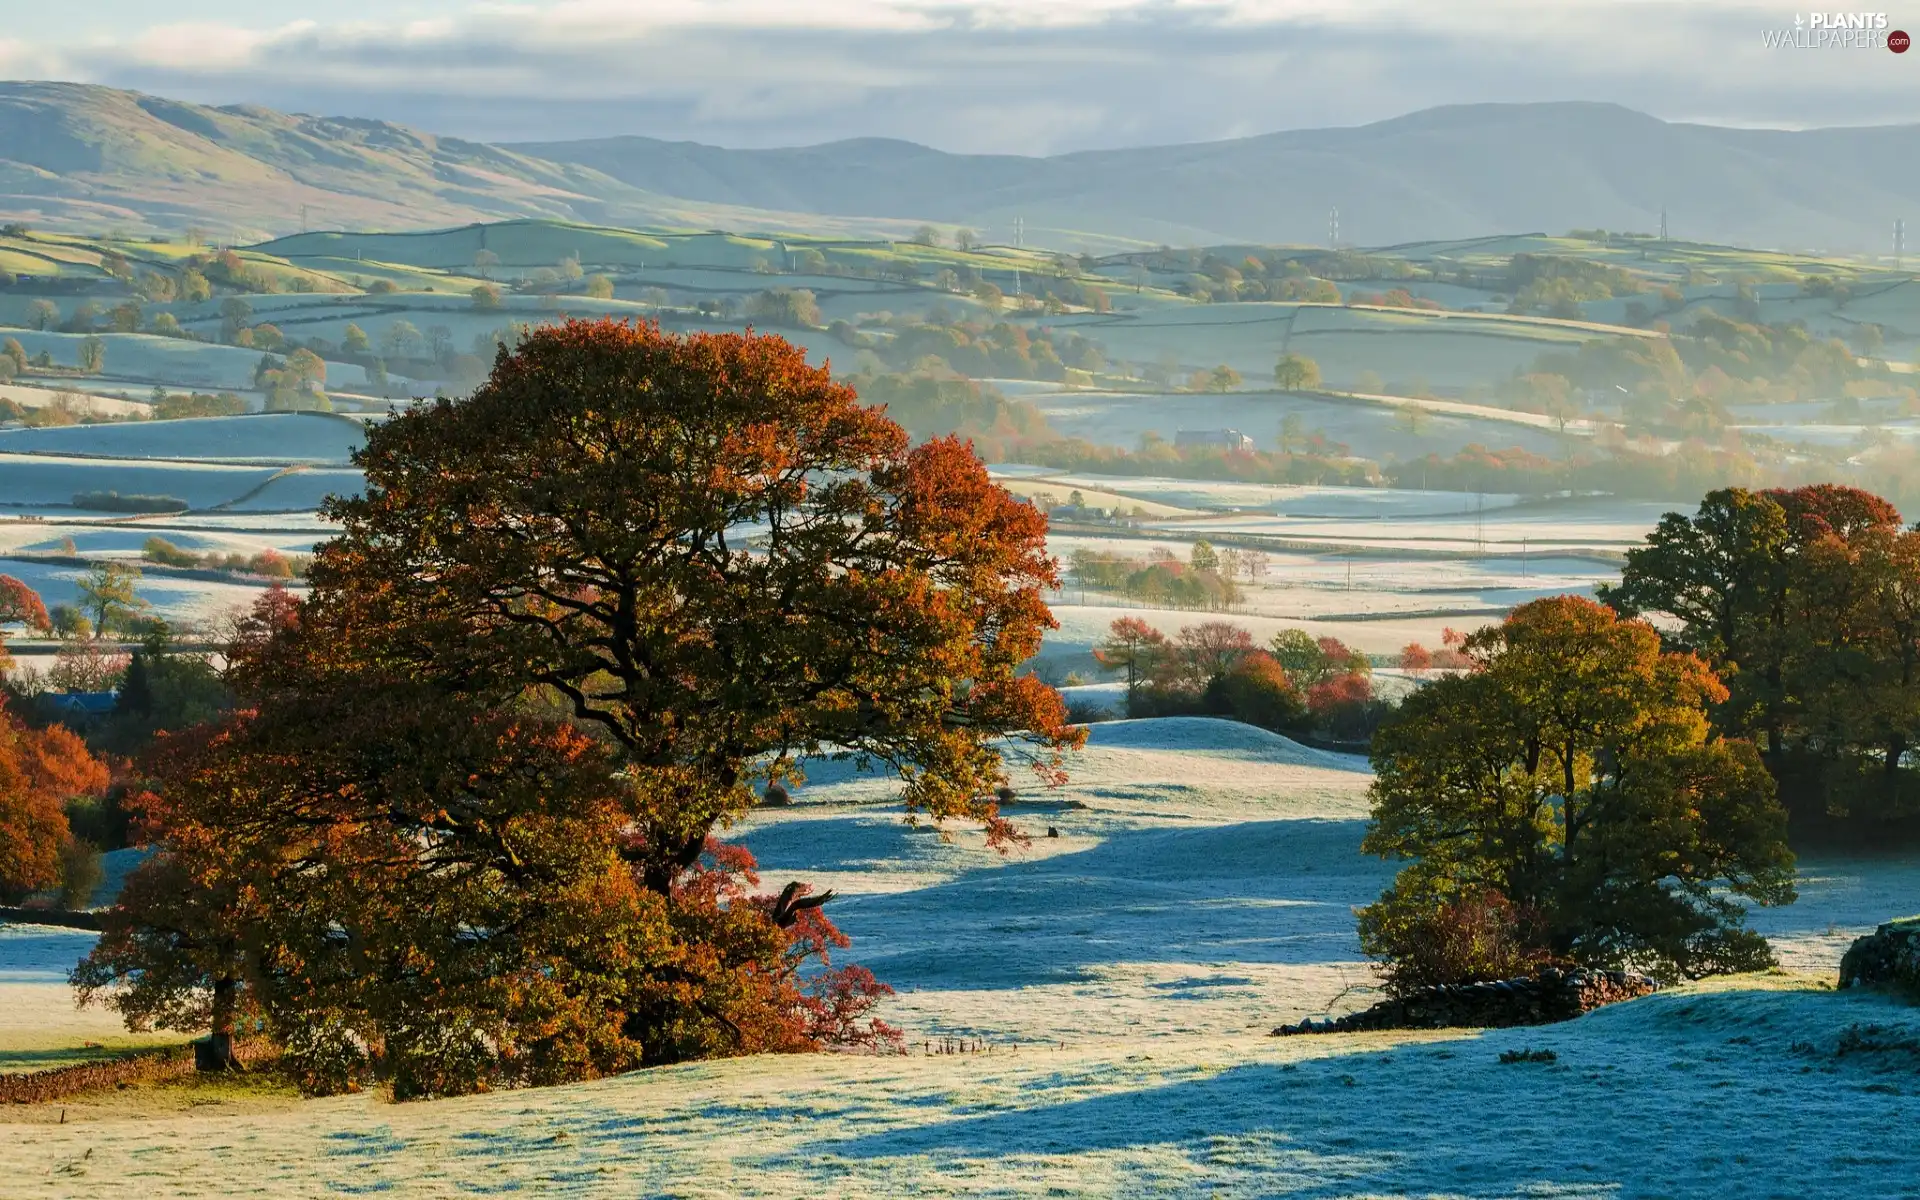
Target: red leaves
(1820, 509)
(20, 605)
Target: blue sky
(1008, 76)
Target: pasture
(1123, 975)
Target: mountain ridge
(78, 155)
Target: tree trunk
(215, 1051)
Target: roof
(91, 703)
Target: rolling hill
(78, 156)
(1458, 171)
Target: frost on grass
(1125, 975)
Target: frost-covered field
(1124, 974)
(260, 437)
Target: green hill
(79, 156)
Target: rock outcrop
(1552, 995)
(1889, 956)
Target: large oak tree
(715, 556)
(467, 823)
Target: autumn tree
(40, 770)
(1801, 599)
(542, 614)
(1296, 372)
(110, 592)
(1571, 779)
(472, 859)
(19, 605)
(1132, 645)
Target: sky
(978, 76)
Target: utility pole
(1899, 241)
(1333, 228)
(1019, 242)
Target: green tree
(92, 355)
(1295, 373)
(235, 315)
(926, 235)
(1300, 656)
(354, 342)
(43, 315)
(789, 307)
(1203, 557)
(599, 287)
(486, 297)
(402, 339)
(110, 591)
(965, 239)
(16, 353)
(1571, 777)
(484, 261)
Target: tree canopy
(570, 622)
(1806, 601)
(1571, 779)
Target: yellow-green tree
(1570, 784)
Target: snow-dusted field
(1124, 974)
(38, 481)
(260, 437)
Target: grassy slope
(94, 157)
(1447, 172)
(1124, 974)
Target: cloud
(1009, 76)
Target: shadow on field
(1255, 892)
(1645, 1104)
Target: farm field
(1124, 974)
(1373, 430)
(260, 438)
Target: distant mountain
(1458, 171)
(77, 155)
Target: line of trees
(1296, 684)
(1807, 601)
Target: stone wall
(1889, 956)
(1542, 999)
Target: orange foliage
(39, 770)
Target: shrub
(1344, 707)
(159, 550)
(1258, 692)
(1475, 937)
(80, 873)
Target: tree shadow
(1632, 1106)
(1276, 892)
